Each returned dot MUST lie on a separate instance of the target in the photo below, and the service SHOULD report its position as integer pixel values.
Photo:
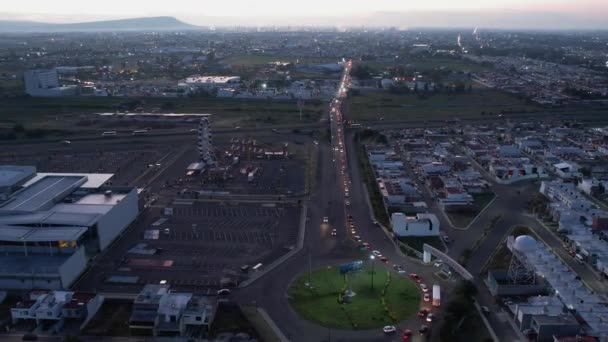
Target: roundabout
(354, 301)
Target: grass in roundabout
(366, 310)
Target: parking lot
(127, 162)
(196, 246)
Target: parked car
(325, 219)
(427, 297)
(407, 335)
(377, 253)
(430, 317)
(422, 313)
(423, 329)
(424, 288)
(223, 292)
(389, 329)
(416, 277)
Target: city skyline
(550, 14)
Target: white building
(420, 225)
(45, 83)
(567, 170)
(159, 312)
(56, 307)
(210, 82)
(52, 224)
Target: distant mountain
(132, 24)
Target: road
(320, 248)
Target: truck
(436, 295)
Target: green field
(428, 63)
(382, 105)
(480, 201)
(53, 112)
(255, 60)
(365, 311)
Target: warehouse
(53, 223)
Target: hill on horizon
(130, 24)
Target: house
(566, 170)
(159, 312)
(55, 307)
(423, 224)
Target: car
(402, 271)
(325, 219)
(347, 202)
(334, 232)
(438, 263)
(384, 259)
(167, 231)
(423, 312)
(415, 277)
(377, 253)
(424, 288)
(352, 225)
(352, 231)
(66, 142)
(430, 317)
(396, 267)
(427, 297)
(376, 223)
(223, 292)
(367, 246)
(407, 334)
(423, 329)
(389, 329)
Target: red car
(384, 260)
(415, 277)
(407, 335)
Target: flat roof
(102, 199)
(61, 214)
(39, 234)
(93, 180)
(43, 192)
(13, 174)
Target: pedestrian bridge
(429, 251)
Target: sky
(274, 11)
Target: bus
(436, 295)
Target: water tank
(525, 244)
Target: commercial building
(210, 82)
(53, 223)
(45, 83)
(159, 312)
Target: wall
(72, 268)
(117, 219)
(24, 282)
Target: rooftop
(14, 174)
(93, 180)
(43, 193)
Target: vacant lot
(365, 310)
(253, 60)
(422, 64)
(382, 105)
(56, 112)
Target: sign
(351, 267)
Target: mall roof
(43, 193)
(38, 234)
(93, 180)
(13, 174)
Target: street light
(372, 257)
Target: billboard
(351, 267)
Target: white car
(389, 329)
(325, 219)
(223, 292)
(438, 263)
(430, 317)
(377, 253)
(424, 288)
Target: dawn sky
(194, 11)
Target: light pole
(372, 257)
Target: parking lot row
(229, 211)
(242, 237)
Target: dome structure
(524, 244)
